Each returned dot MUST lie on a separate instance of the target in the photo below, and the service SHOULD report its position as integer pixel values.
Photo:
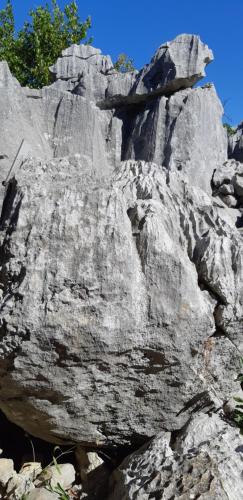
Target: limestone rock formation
(85, 78)
(176, 65)
(180, 133)
(190, 467)
(19, 119)
(121, 275)
(227, 183)
(103, 281)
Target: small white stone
(6, 470)
(64, 474)
(30, 470)
(42, 494)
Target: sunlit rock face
(121, 276)
(205, 462)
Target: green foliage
(62, 495)
(124, 64)
(230, 130)
(39, 43)
(6, 31)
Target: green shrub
(39, 43)
(230, 130)
(124, 64)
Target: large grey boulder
(204, 462)
(176, 65)
(121, 302)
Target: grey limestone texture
(121, 276)
(188, 468)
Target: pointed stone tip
(6, 77)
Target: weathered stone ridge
(121, 264)
(177, 132)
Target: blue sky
(138, 27)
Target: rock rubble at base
(87, 479)
(33, 483)
(202, 461)
(122, 268)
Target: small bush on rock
(230, 130)
(124, 64)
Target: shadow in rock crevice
(21, 447)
